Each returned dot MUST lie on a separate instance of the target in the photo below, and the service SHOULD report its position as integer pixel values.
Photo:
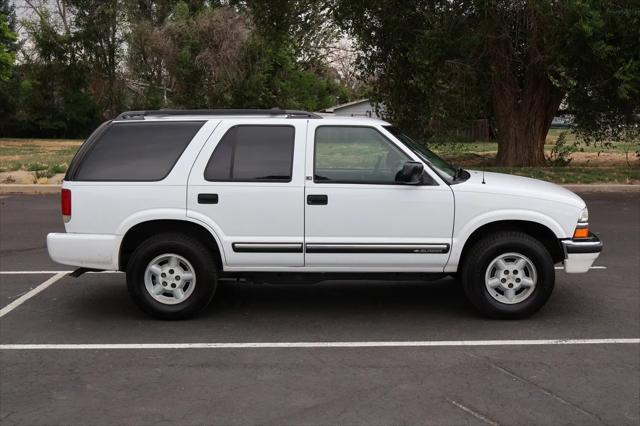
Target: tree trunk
(523, 125)
(523, 97)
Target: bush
(560, 155)
(58, 168)
(36, 167)
(43, 174)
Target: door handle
(207, 198)
(317, 200)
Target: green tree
(304, 26)
(272, 78)
(8, 39)
(99, 31)
(212, 55)
(145, 68)
(54, 99)
(192, 58)
(287, 60)
(447, 61)
(8, 84)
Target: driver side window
(351, 154)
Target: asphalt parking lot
(579, 382)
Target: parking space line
(19, 301)
(278, 345)
(591, 267)
(33, 272)
(53, 272)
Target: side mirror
(411, 173)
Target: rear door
(248, 184)
(357, 217)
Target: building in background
(359, 108)
(474, 130)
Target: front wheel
(509, 275)
(171, 276)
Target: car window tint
(355, 155)
(137, 151)
(253, 153)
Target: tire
(503, 301)
(174, 254)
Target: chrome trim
(376, 248)
(267, 247)
(573, 243)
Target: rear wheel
(171, 276)
(508, 275)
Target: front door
(357, 217)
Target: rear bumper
(580, 254)
(86, 250)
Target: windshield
(425, 153)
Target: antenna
(483, 182)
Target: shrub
(560, 155)
(36, 167)
(43, 174)
(58, 168)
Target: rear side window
(253, 154)
(136, 151)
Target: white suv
(180, 198)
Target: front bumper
(579, 254)
(96, 251)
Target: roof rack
(140, 115)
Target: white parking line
(53, 272)
(19, 301)
(33, 272)
(592, 267)
(277, 345)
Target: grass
(608, 163)
(491, 147)
(44, 157)
(37, 167)
(594, 164)
(619, 174)
(356, 155)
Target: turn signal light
(581, 233)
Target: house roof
(348, 104)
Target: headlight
(584, 216)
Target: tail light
(65, 204)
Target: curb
(30, 189)
(602, 187)
(55, 189)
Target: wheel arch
(536, 230)
(139, 232)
